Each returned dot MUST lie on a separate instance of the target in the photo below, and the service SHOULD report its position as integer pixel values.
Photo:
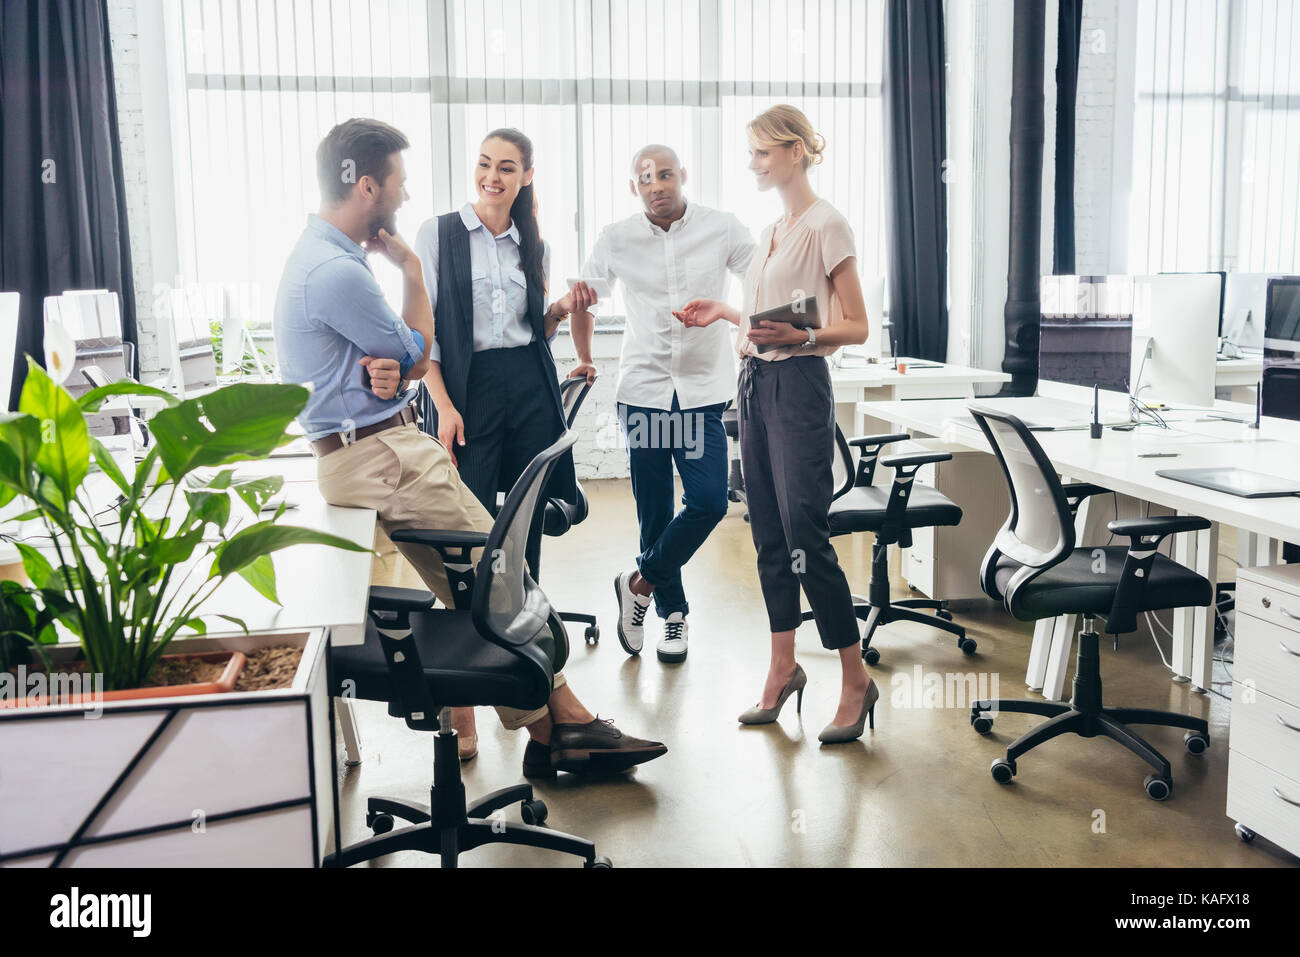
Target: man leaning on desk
(331, 322)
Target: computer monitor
(1086, 351)
(1175, 339)
(1280, 395)
(1244, 297)
(1223, 283)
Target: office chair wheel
(1245, 833)
(733, 496)
(379, 823)
(967, 645)
(601, 861)
(533, 812)
(943, 613)
(871, 656)
(982, 723)
(1158, 788)
(746, 518)
(592, 634)
(1002, 770)
(1195, 742)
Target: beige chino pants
(408, 478)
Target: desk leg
(348, 728)
(1058, 658)
(1193, 653)
(1038, 652)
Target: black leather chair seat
(862, 509)
(1078, 587)
(461, 667)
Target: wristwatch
(812, 339)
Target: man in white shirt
(673, 382)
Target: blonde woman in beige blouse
(787, 416)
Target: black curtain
(62, 202)
(916, 210)
(1069, 28)
(1023, 311)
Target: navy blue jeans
(694, 440)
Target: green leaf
(37, 566)
(197, 624)
(92, 400)
(236, 621)
(257, 492)
(249, 544)
(64, 453)
(260, 573)
(108, 465)
(208, 507)
(236, 423)
(20, 441)
(178, 548)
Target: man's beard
(386, 222)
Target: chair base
(1087, 717)
(880, 610)
(591, 634)
(449, 825)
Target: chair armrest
(914, 460)
(1076, 492)
(387, 598)
(870, 446)
(1157, 526)
(455, 547)
(864, 441)
(440, 538)
(1145, 535)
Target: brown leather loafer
(599, 746)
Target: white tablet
(600, 287)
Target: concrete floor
(915, 792)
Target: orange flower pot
(235, 662)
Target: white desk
(1113, 463)
(866, 382)
(1239, 376)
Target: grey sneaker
(672, 646)
(631, 614)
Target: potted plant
(119, 588)
(128, 581)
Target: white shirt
(662, 271)
(499, 286)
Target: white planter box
(197, 781)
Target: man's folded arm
(344, 295)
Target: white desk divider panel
(200, 781)
(9, 303)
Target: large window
(588, 80)
(1216, 168)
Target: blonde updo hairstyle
(785, 125)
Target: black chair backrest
(1039, 531)
(842, 464)
(509, 608)
(572, 393)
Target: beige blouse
(799, 267)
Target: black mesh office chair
(891, 513)
(1034, 569)
(560, 515)
(735, 479)
(503, 650)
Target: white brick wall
(1094, 136)
(124, 37)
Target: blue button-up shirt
(329, 313)
(499, 286)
